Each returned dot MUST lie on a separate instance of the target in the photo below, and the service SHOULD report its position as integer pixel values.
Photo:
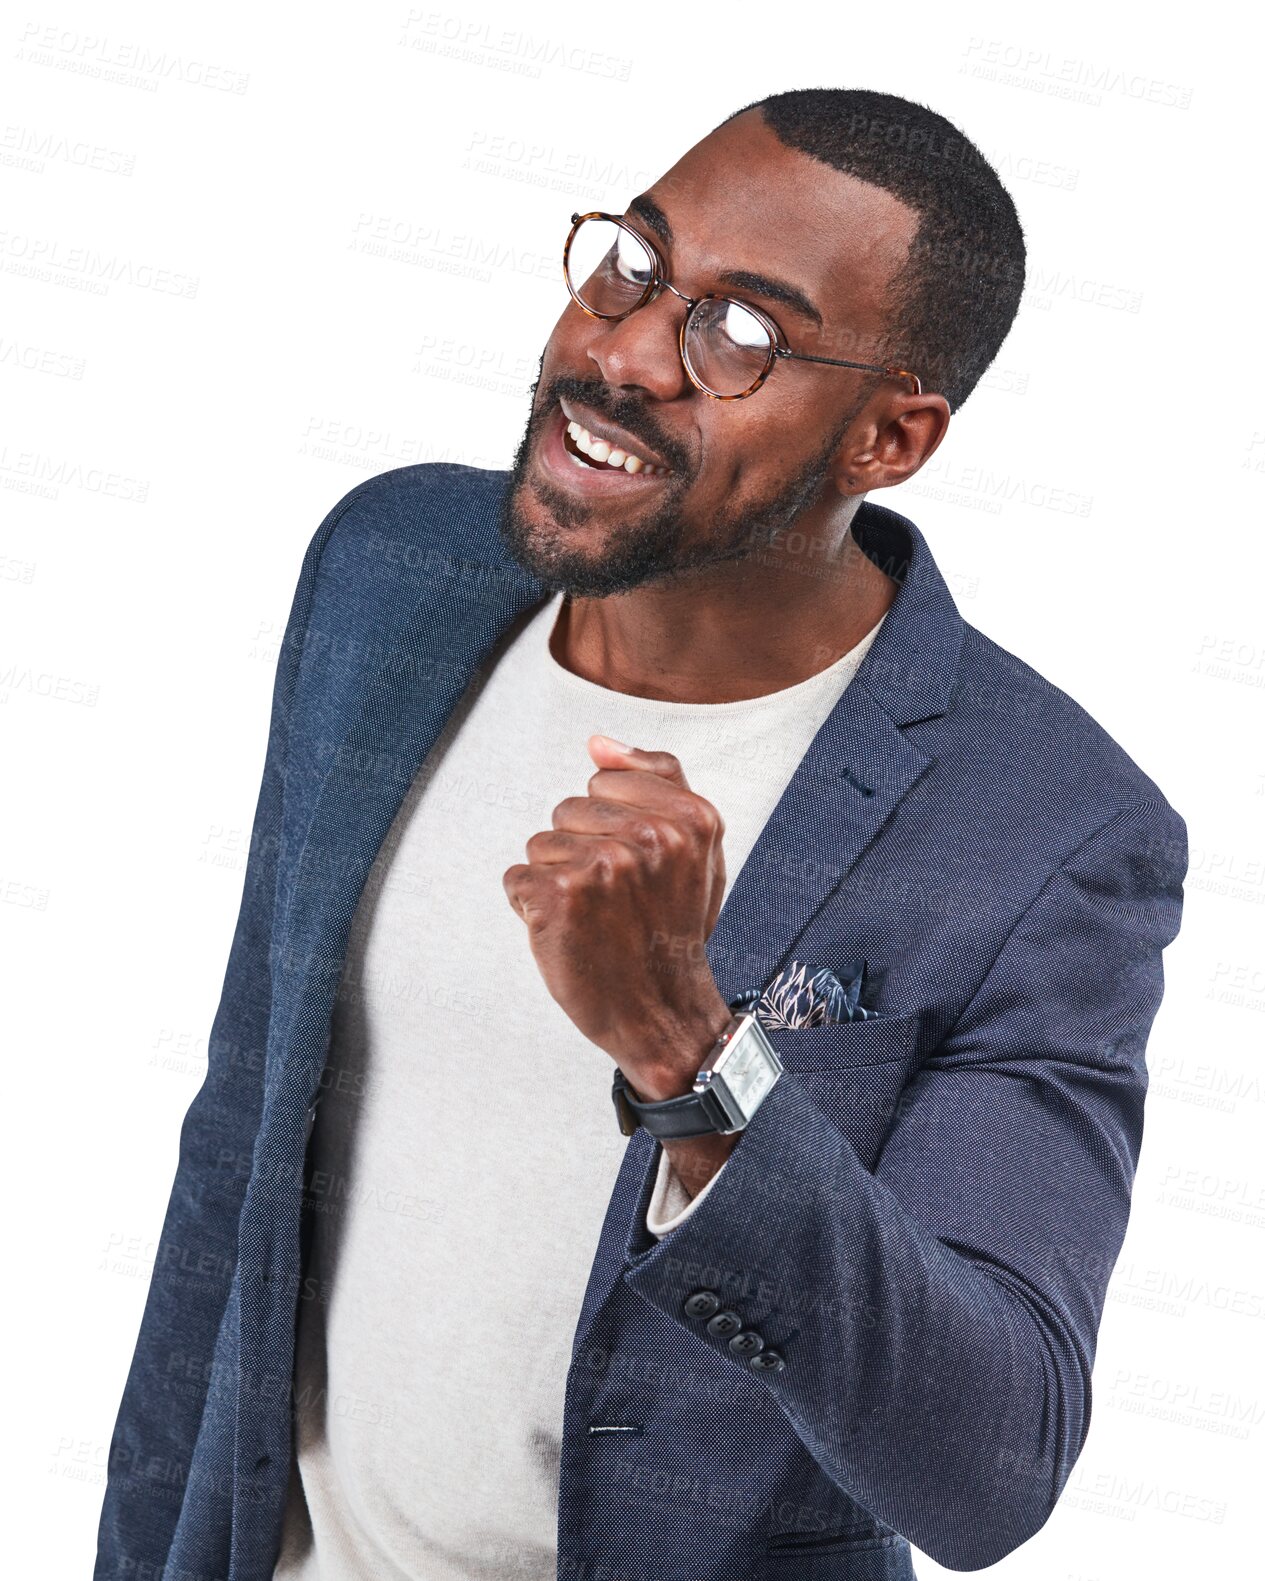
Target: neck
(740, 630)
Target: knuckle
(698, 817)
(642, 832)
(649, 834)
(675, 838)
(564, 809)
(606, 861)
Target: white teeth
(602, 450)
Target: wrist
(696, 1159)
(671, 1058)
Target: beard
(652, 548)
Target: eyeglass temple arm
(865, 367)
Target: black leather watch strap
(690, 1114)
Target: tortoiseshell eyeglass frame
(659, 280)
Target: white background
(248, 258)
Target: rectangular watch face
(746, 1071)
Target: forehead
(740, 199)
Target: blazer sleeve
(937, 1318)
(166, 1386)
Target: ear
(898, 439)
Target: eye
(744, 329)
(630, 262)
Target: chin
(544, 549)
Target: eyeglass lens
(608, 267)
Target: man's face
(738, 203)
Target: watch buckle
(628, 1121)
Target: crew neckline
(558, 675)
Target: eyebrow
(647, 210)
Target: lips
(618, 438)
(601, 454)
(577, 476)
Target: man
(713, 1168)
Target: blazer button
(702, 1304)
(766, 1361)
(748, 1343)
(724, 1324)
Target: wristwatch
(730, 1086)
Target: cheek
(735, 446)
(754, 464)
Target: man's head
(871, 230)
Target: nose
(643, 350)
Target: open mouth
(603, 455)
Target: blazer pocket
(833, 1045)
(865, 1558)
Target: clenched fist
(620, 897)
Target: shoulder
(1056, 763)
(386, 522)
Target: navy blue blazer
(922, 1216)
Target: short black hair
(957, 294)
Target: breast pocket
(854, 1071)
(833, 1045)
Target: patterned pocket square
(807, 996)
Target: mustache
(627, 414)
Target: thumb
(608, 753)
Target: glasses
(729, 347)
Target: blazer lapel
(858, 768)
